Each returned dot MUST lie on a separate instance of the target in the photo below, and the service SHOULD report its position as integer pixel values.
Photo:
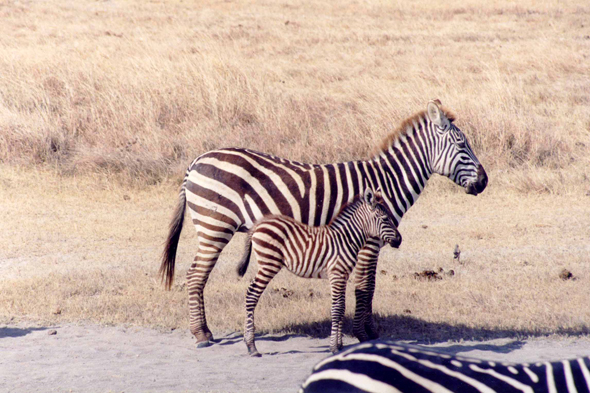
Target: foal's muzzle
(395, 241)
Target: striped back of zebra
(228, 190)
(394, 367)
(329, 251)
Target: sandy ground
(92, 358)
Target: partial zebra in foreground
(315, 252)
(392, 367)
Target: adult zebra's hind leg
(365, 269)
(197, 277)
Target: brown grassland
(103, 104)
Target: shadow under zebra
(409, 328)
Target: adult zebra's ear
(436, 114)
(370, 197)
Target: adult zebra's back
(228, 190)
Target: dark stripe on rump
(212, 238)
(213, 214)
(213, 196)
(213, 227)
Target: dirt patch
(566, 275)
(431, 275)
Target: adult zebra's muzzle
(477, 186)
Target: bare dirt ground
(93, 358)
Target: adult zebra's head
(452, 155)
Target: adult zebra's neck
(401, 170)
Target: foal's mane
(345, 206)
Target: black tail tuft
(169, 254)
(243, 265)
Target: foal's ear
(378, 195)
(370, 197)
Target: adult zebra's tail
(169, 254)
(243, 265)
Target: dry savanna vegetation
(103, 104)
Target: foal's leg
(266, 271)
(338, 293)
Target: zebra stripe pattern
(315, 252)
(227, 190)
(393, 367)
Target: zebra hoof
(372, 335)
(254, 354)
(204, 344)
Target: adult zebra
(227, 190)
(395, 367)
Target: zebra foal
(315, 252)
(383, 366)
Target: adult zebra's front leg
(364, 281)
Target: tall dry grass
(138, 89)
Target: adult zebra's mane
(406, 125)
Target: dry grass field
(103, 104)
(137, 89)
